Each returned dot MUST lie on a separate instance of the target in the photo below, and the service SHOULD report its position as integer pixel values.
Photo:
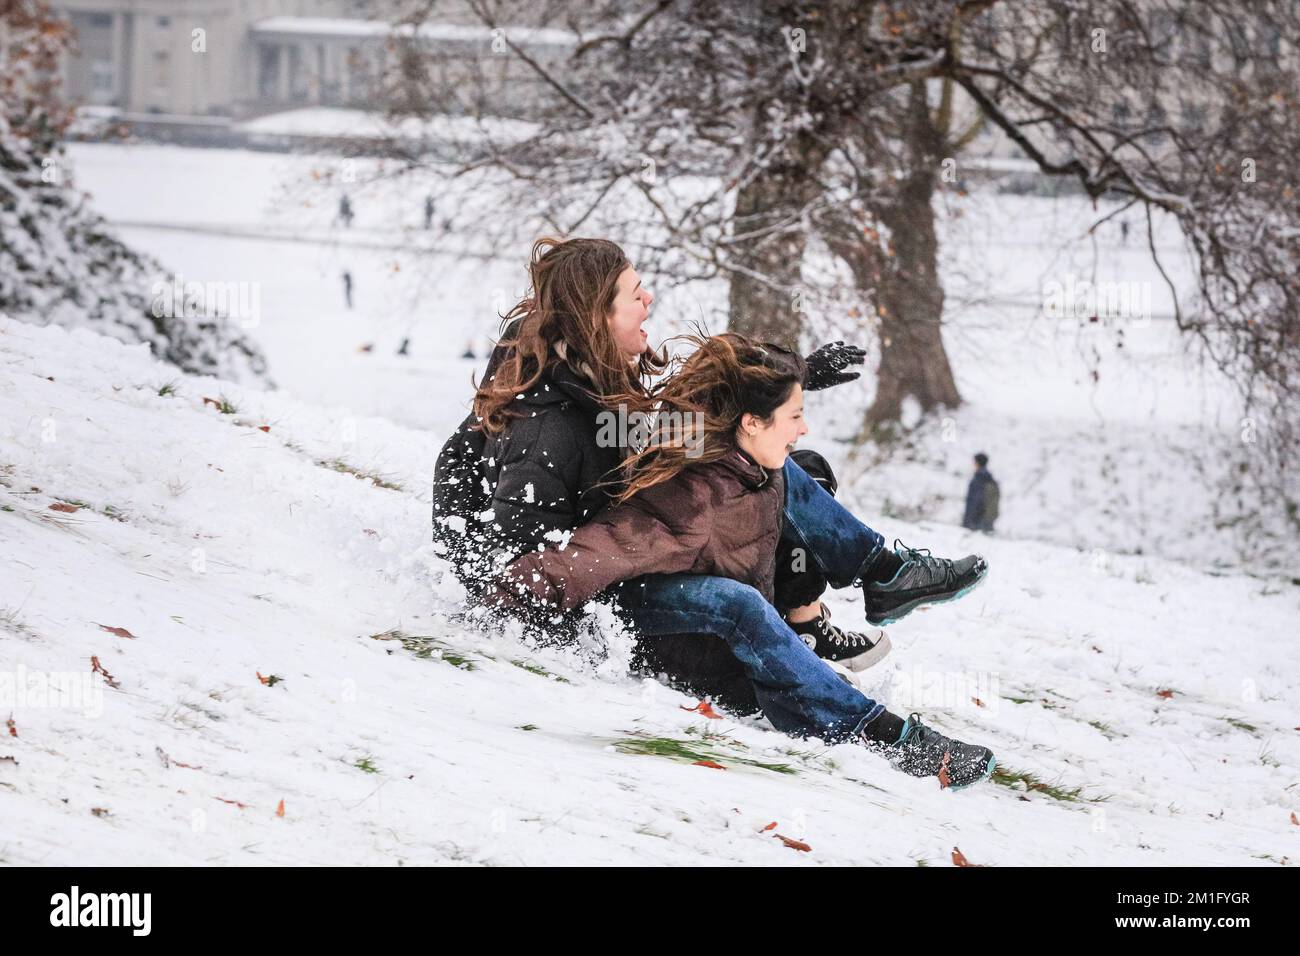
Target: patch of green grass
(1017, 700)
(10, 621)
(527, 727)
(1240, 724)
(366, 764)
(707, 734)
(339, 465)
(168, 389)
(1057, 693)
(5, 508)
(109, 511)
(1019, 780)
(210, 714)
(540, 671)
(75, 502)
(427, 648)
(691, 752)
(1106, 730)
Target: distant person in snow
(345, 211)
(347, 288)
(981, 498)
(428, 212)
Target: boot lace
(925, 559)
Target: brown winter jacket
(721, 518)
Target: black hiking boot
(923, 579)
(855, 651)
(924, 752)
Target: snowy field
(1133, 666)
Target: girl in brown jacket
(690, 546)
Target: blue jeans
(823, 531)
(796, 690)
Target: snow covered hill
(235, 592)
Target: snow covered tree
(723, 139)
(59, 261)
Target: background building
(240, 58)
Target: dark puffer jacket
(541, 477)
(722, 518)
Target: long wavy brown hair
(572, 285)
(727, 376)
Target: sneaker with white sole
(851, 649)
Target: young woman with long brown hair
(529, 464)
(690, 545)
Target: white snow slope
(252, 580)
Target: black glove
(826, 366)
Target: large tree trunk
(770, 206)
(902, 275)
(910, 298)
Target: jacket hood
(559, 383)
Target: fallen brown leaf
(119, 631)
(945, 780)
(1165, 693)
(98, 668)
(959, 859)
(704, 709)
(279, 811)
(709, 763)
(64, 507)
(794, 844)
